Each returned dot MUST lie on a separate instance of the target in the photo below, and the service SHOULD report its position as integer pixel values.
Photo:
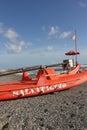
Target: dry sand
(65, 110)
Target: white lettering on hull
(26, 91)
(37, 90)
(22, 92)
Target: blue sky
(34, 32)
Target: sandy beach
(65, 110)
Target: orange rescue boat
(46, 81)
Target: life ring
(68, 66)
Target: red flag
(74, 37)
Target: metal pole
(76, 48)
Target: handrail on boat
(21, 70)
(31, 68)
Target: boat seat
(50, 73)
(40, 72)
(25, 76)
(75, 70)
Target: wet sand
(65, 110)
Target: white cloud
(13, 44)
(49, 48)
(22, 43)
(82, 4)
(12, 48)
(11, 35)
(64, 35)
(53, 31)
(16, 47)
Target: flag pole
(76, 47)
